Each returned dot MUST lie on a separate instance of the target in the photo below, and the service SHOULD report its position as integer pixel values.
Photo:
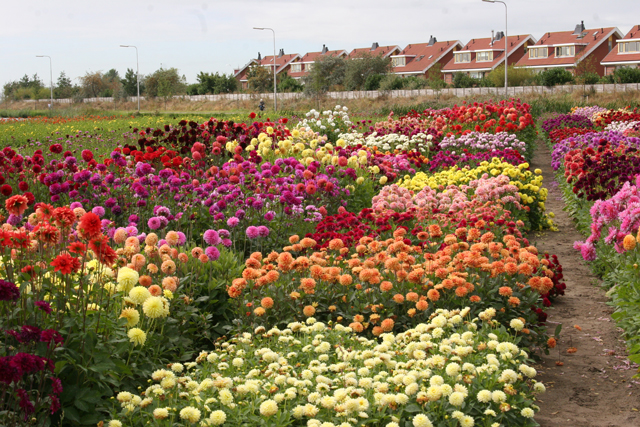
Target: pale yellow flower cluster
(328, 376)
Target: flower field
(318, 271)
(595, 155)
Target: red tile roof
(312, 57)
(588, 40)
(421, 56)
(384, 51)
(616, 58)
(475, 45)
(281, 61)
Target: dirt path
(592, 387)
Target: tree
(25, 88)
(214, 83)
(93, 84)
(461, 79)
(113, 85)
(434, 77)
(259, 79)
(165, 83)
(327, 73)
(286, 83)
(130, 83)
(359, 69)
(64, 87)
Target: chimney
(492, 37)
(324, 49)
(499, 36)
(432, 41)
(579, 29)
(259, 57)
(374, 46)
(281, 53)
(518, 37)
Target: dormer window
(484, 56)
(538, 52)
(565, 51)
(296, 68)
(462, 57)
(629, 47)
(399, 61)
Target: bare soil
(593, 386)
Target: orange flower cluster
(381, 284)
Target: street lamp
(137, 72)
(506, 52)
(50, 76)
(275, 93)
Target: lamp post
(137, 72)
(506, 52)
(275, 93)
(50, 76)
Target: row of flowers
(597, 166)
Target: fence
(458, 92)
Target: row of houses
(604, 49)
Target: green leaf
(412, 408)
(558, 329)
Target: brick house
(567, 49)
(481, 56)
(374, 50)
(625, 54)
(282, 63)
(417, 59)
(303, 65)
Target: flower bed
(599, 175)
(312, 373)
(176, 235)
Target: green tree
(209, 83)
(165, 83)
(25, 88)
(327, 74)
(259, 79)
(64, 87)
(360, 69)
(586, 72)
(113, 85)
(130, 83)
(286, 83)
(435, 78)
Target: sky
(218, 36)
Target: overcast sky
(213, 35)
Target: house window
(296, 68)
(562, 51)
(462, 57)
(399, 61)
(628, 47)
(476, 75)
(538, 52)
(484, 56)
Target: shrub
(555, 76)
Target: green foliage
(64, 88)
(286, 83)
(130, 83)
(390, 82)
(25, 88)
(515, 76)
(96, 84)
(626, 75)
(165, 83)
(260, 79)
(209, 83)
(327, 74)
(373, 81)
(463, 80)
(359, 70)
(554, 76)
